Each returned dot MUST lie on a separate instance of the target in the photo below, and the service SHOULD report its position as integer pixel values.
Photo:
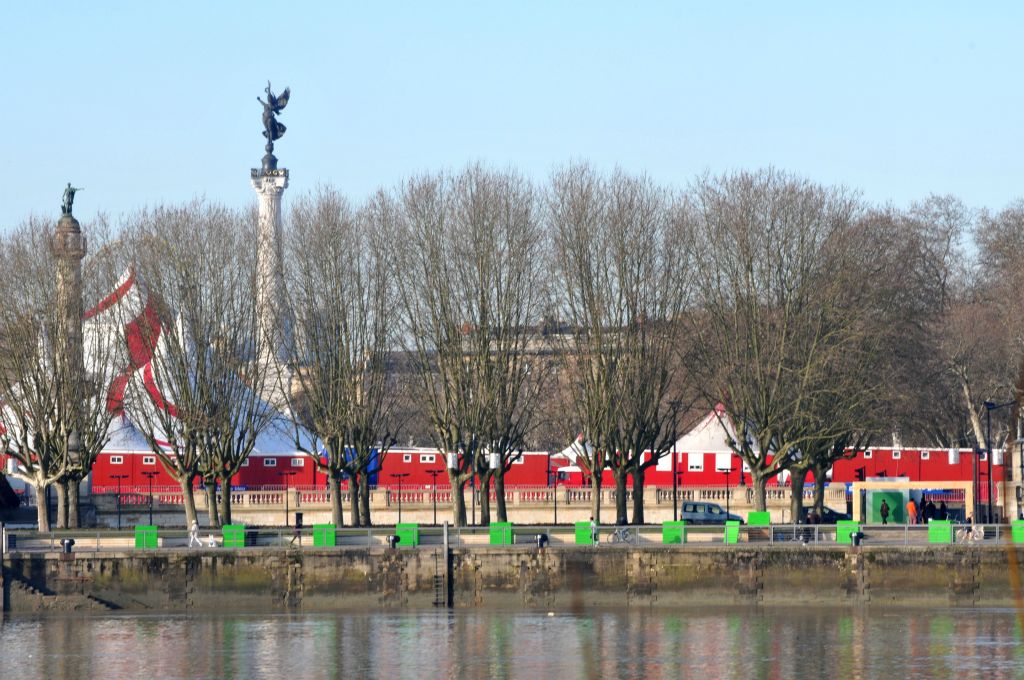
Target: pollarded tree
(199, 399)
(342, 300)
(771, 329)
(53, 399)
(622, 264)
(471, 284)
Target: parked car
(828, 515)
(706, 513)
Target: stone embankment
(262, 579)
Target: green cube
(324, 536)
(732, 531)
(940, 531)
(583, 536)
(408, 534)
(673, 532)
(501, 533)
(234, 535)
(146, 537)
(1017, 531)
(845, 528)
(759, 519)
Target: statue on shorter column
(69, 199)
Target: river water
(728, 643)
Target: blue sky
(142, 103)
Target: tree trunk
(364, 500)
(819, 488)
(42, 509)
(62, 504)
(354, 488)
(796, 495)
(211, 502)
(458, 501)
(759, 479)
(595, 498)
(484, 484)
(188, 500)
(334, 491)
(620, 496)
(638, 496)
(979, 431)
(74, 519)
(225, 500)
(499, 496)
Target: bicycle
(967, 534)
(620, 535)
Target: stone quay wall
(565, 579)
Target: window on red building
(270, 462)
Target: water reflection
(636, 643)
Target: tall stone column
(274, 327)
(69, 248)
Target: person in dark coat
(883, 510)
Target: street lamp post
(150, 475)
(119, 478)
(1020, 485)
(287, 475)
(989, 407)
(433, 474)
(728, 489)
(675, 485)
(399, 476)
(675, 489)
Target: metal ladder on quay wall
(440, 600)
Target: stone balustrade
(525, 504)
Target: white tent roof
(572, 451)
(711, 435)
(125, 438)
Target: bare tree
(772, 329)
(472, 291)
(342, 301)
(53, 396)
(622, 265)
(198, 401)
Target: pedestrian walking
(593, 530)
(943, 510)
(193, 535)
(883, 511)
(911, 512)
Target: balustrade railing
(419, 498)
